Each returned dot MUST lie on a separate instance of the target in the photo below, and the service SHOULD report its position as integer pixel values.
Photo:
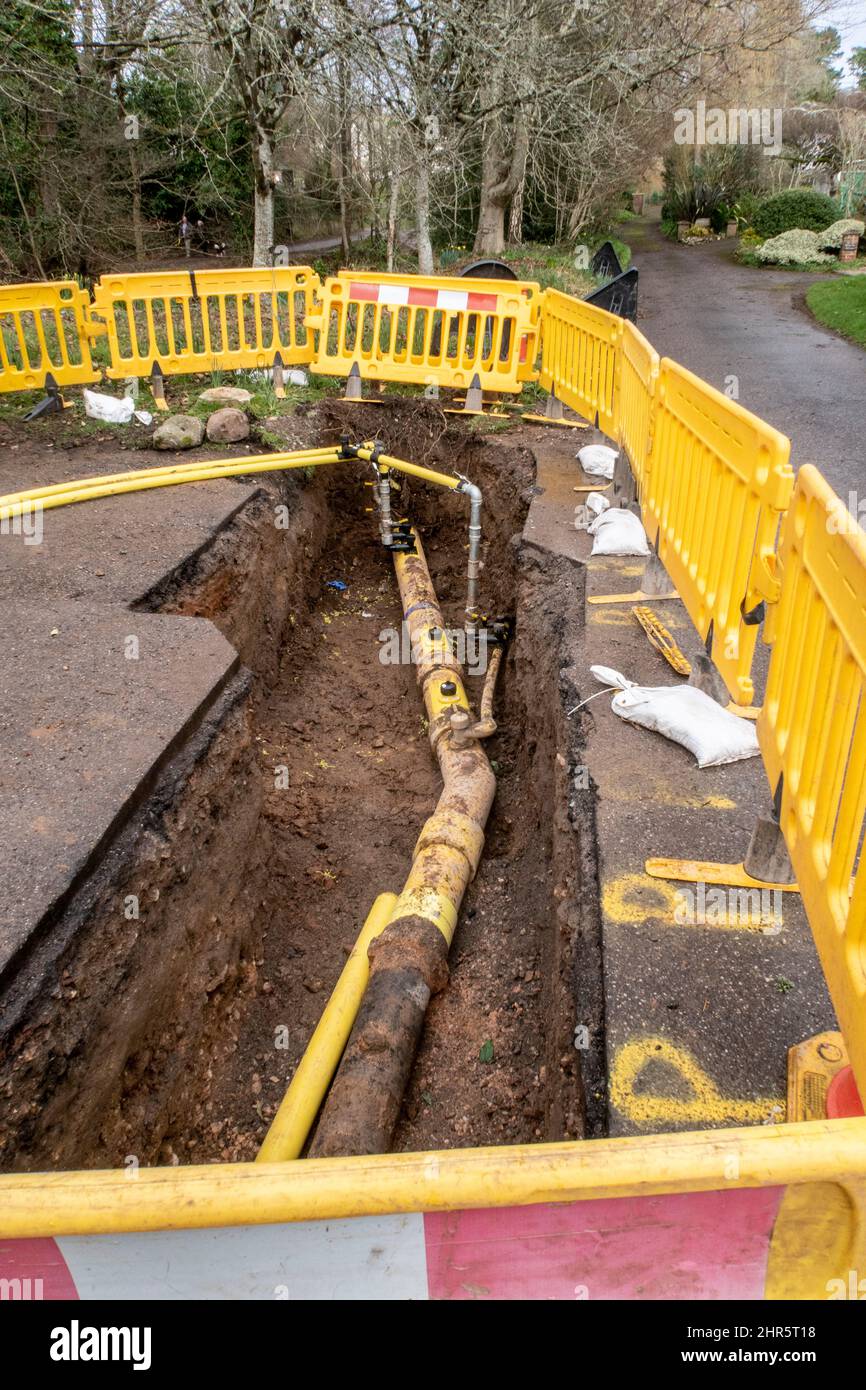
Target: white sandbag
(597, 460)
(295, 376)
(108, 408)
(617, 531)
(596, 502)
(684, 714)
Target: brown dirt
(340, 823)
(345, 777)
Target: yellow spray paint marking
(667, 796)
(635, 898)
(703, 1105)
(610, 617)
(621, 617)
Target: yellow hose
(293, 1121)
(194, 466)
(414, 470)
(147, 478)
(170, 475)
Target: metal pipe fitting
(473, 570)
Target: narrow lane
(723, 320)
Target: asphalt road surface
(721, 320)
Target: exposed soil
(343, 771)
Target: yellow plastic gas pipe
(253, 461)
(293, 1121)
(408, 959)
(414, 470)
(146, 479)
(170, 475)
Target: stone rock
(222, 394)
(228, 425)
(178, 432)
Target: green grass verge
(841, 304)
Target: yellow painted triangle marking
(705, 1105)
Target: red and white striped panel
(396, 296)
(697, 1245)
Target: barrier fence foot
(813, 1066)
(553, 414)
(157, 387)
(279, 378)
(52, 402)
(624, 486)
(710, 872)
(655, 578)
(705, 677)
(767, 856)
(474, 402)
(355, 389)
(743, 711)
(655, 585)
(636, 596)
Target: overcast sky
(849, 17)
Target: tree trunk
(490, 236)
(137, 230)
(502, 164)
(263, 228)
(393, 205)
(422, 202)
(515, 217)
(344, 158)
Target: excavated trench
(173, 1038)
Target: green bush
(745, 208)
(795, 208)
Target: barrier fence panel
(44, 328)
(638, 374)
(580, 349)
(812, 732)
(717, 484)
(433, 331)
(206, 321)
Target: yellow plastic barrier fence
(44, 328)
(206, 321)
(638, 375)
(92, 1202)
(580, 353)
(435, 331)
(717, 483)
(812, 732)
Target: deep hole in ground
(304, 802)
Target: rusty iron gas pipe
(408, 960)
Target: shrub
(831, 239)
(797, 208)
(749, 239)
(795, 247)
(745, 208)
